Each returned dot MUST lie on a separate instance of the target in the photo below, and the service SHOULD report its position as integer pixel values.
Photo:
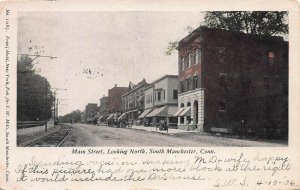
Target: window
(198, 56)
(189, 60)
(175, 94)
(188, 84)
(194, 57)
(271, 58)
(182, 64)
(181, 86)
(222, 106)
(223, 78)
(266, 83)
(158, 96)
(196, 81)
(164, 92)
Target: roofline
(150, 85)
(200, 29)
(146, 84)
(165, 76)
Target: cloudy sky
(96, 50)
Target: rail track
(54, 139)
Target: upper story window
(188, 83)
(198, 56)
(158, 96)
(186, 62)
(182, 63)
(181, 86)
(271, 57)
(194, 62)
(189, 60)
(222, 106)
(175, 94)
(196, 82)
(164, 94)
(223, 79)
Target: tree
(268, 23)
(75, 116)
(251, 22)
(34, 97)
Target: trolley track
(54, 139)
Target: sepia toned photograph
(159, 79)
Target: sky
(96, 50)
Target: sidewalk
(156, 130)
(31, 130)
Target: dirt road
(90, 135)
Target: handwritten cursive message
(237, 171)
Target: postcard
(150, 95)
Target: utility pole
(55, 105)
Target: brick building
(133, 101)
(231, 81)
(114, 99)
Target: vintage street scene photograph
(141, 79)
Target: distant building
(103, 105)
(103, 109)
(161, 101)
(231, 81)
(133, 101)
(114, 105)
(90, 112)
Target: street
(91, 135)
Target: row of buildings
(227, 82)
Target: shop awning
(123, 115)
(172, 110)
(112, 116)
(158, 112)
(178, 112)
(146, 112)
(186, 112)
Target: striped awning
(123, 115)
(172, 110)
(113, 116)
(178, 112)
(186, 112)
(158, 112)
(146, 112)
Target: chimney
(115, 85)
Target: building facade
(103, 109)
(230, 81)
(161, 99)
(133, 102)
(90, 112)
(114, 99)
